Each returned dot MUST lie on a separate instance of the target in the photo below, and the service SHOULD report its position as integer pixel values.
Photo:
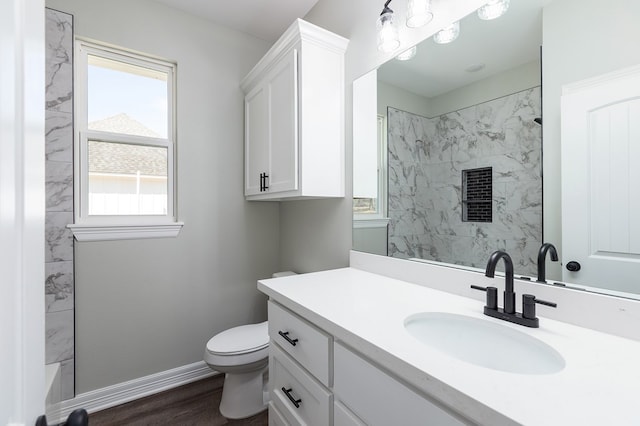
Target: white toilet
(242, 353)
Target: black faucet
(508, 312)
(509, 294)
(542, 254)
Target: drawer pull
(285, 336)
(295, 402)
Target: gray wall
(581, 39)
(397, 97)
(370, 239)
(505, 83)
(496, 86)
(145, 306)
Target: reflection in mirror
(461, 124)
(464, 164)
(467, 183)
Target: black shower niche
(477, 194)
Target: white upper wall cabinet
(294, 117)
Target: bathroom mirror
(463, 117)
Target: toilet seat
(240, 345)
(240, 340)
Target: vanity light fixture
(407, 54)
(418, 13)
(448, 34)
(388, 38)
(493, 9)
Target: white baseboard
(120, 393)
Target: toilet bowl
(242, 353)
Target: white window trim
(370, 223)
(125, 232)
(112, 227)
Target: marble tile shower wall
(426, 160)
(59, 282)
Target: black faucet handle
(529, 305)
(544, 302)
(492, 295)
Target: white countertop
(600, 384)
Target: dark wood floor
(193, 404)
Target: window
(125, 142)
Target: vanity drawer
(290, 385)
(275, 416)
(379, 399)
(307, 344)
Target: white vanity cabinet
(315, 380)
(294, 117)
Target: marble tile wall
(426, 159)
(59, 283)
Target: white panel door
(601, 181)
(365, 136)
(283, 124)
(256, 139)
(22, 209)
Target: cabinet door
(342, 416)
(275, 416)
(379, 399)
(256, 153)
(282, 84)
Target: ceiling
(265, 19)
(501, 44)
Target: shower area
(467, 183)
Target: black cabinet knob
(573, 266)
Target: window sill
(124, 232)
(371, 223)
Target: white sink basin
(484, 343)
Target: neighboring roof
(122, 123)
(120, 158)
